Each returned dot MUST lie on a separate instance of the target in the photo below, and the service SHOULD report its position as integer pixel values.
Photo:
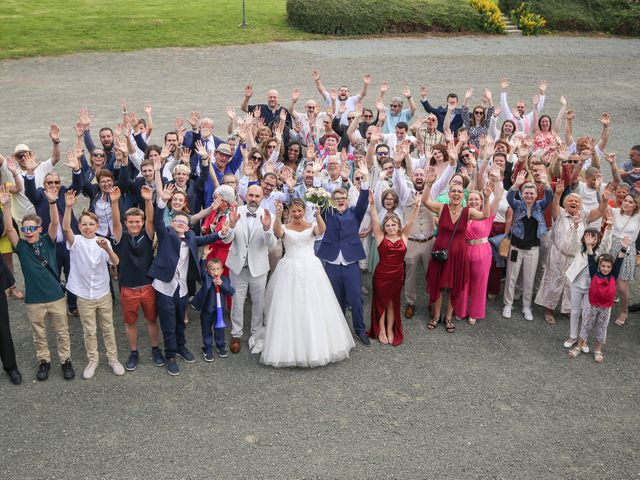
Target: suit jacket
(257, 241)
(41, 203)
(166, 262)
(208, 289)
(342, 232)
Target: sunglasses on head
(29, 228)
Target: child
(206, 301)
(602, 292)
(89, 280)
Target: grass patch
(366, 17)
(48, 27)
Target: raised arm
(248, 93)
(320, 87)
(568, 129)
(408, 226)
(366, 81)
(278, 231)
(378, 233)
(147, 195)
(114, 196)
(435, 207)
(615, 171)
(69, 202)
(561, 113)
(54, 135)
(504, 85)
(9, 231)
(555, 204)
(605, 120)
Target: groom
(248, 262)
(341, 250)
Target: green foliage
(52, 27)
(362, 17)
(619, 17)
(493, 21)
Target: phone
(514, 255)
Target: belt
(421, 240)
(478, 241)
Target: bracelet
(55, 142)
(53, 203)
(623, 250)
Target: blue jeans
(171, 313)
(207, 321)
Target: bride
(305, 326)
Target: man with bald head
(251, 236)
(270, 111)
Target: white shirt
(625, 225)
(179, 279)
(89, 274)
(349, 103)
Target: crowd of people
(295, 208)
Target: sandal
(449, 326)
(598, 356)
(433, 323)
(472, 321)
(550, 319)
(574, 352)
(620, 321)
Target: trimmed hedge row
(620, 17)
(363, 17)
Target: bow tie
(249, 214)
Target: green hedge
(363, 17)
(620, 17)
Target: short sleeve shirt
(40, 284)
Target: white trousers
(579, 301)
(527, 260)
(255, 286)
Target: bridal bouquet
(320, 198)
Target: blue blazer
(166, 262)
(342, 231)
(41, 203)
(208, 289)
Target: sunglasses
(357, 178)
(570, 161)
(350, 118)
(53, 182)
(394, 106)
(271, 146)
(478, 113)
(256, 157)
(29, 228)
(368, 116)
(98, 155)
(294, 150)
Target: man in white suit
(248, 262)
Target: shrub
(363, 17)
(530, 23)
(493, 21)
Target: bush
(493, 21)
(530, 23)
(363, 17)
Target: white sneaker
(506, 311)
(528, 315)
(258, 347)
(116, 368)
(89, 370)
(570, 343)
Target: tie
(249, 214)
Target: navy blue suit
(171, 309)
(41, 204)
(205, 301)
(341, 236)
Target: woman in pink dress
(388, 277)
(450, 274)
(545, 136)
(474, 296)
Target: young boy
(134, 248)
(206, 301)
(44, 294)
(89, 280)
(602, 292)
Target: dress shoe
(364, 338)
(235, 345)
(15, 377)
(409, 311)
(43, 370)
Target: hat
(21, 147)
(224, 149)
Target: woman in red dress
(388, 277)
(452, 273)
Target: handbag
(443, 255)
(505, 245)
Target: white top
(179, 278)
(349, 103)
(625, 225)
(501, 213)
(590, 200)
(89, 274)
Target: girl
(388, 277)
(89, 280)
(602, 292)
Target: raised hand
(430, 176)
(610, 157)
(288, 178)
(30, 164)
(468, 94)
(384, 86)
(147, 109)
(226, 228)
(487, 94)
(406, 91)
(79, 128)
(424, 91)
(206, 129)
(167, 192)
(372, 199)
(367, 78)
(542, 87)
(504, 83)
(217, 201)
(70, 198)
(54, 133)
(72, 160)
(560, 187)
(265, 219)
(279, 209)
(497, 111)
(194, 119)
(452, 151)
(570, 115)
(103, 243)
(84, 118)
(201, 149)
(521, 178)
(605, 119)
(333, 93)
(563, 101)
(165, 152)
(295, 95)
(315, 74)
(114, 194)
(487, 190)
(234, 216)
(536, 100)
(146, 192)
(11, 165)
(5, 197)
(185, 156)
(248, 91)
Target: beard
(252, 207)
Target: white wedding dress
(305, 326)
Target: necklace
(455, 212)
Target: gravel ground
(497, 400)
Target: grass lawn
(54, 27)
